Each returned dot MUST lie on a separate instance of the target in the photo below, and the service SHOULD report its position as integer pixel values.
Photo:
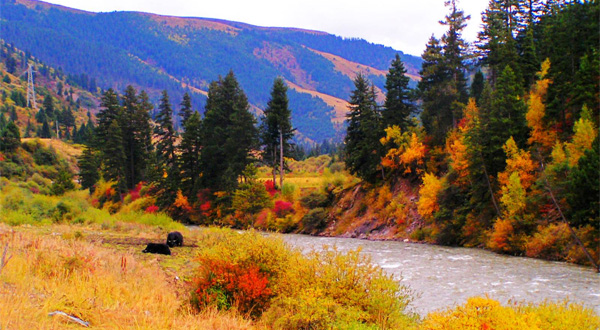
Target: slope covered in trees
(514, 165)
(182, 55)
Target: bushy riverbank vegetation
(62, 254)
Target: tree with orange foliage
(518, 161)
(540, 134)
(428, 204)
(584, 134)
(407, 152)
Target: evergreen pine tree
(477, 86)
(186, 108)
(165, 134)
(276, 129)
(48, 106)
(45, 132)
(363, 149)
(114, 157)
(397, 106)
(506, 119)
(189, 159)
(10, 137)
(88, 164)
(228, 135)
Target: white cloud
(402, 24)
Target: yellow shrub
(486, 313)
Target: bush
(251, 197)
(261, 276)
(282, 208)
(288, 191)
(485, 313)
(45, 156)
(314, 221)
(315, 199)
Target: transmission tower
(30, 88)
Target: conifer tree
(506, 119)
(497, 43)
(10, 137)
(436, 103)
(165, 133)
(189, 159)
(113, 154)
(276, 129)
(397, 107)
(477, 86)
(455, 55)
(228, 135)
(186, 108)
(48, 106)
(136, 124)
(165, 146)
(363, 149)
(45, 132)
(110, 111)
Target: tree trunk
(274, 167)
(281, 159)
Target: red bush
(135, 192)
(225, 284)
(270, 186)
(151, 209)
(283, 208)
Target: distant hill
(155, 52)
(68, 93)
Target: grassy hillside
(185, 54)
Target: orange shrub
(225, 284)
(549, 243)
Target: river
(445, 276)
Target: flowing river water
(443, 276)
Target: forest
(495, 148)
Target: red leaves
(270, 186)
(241, 285)
(282, 208)
(151, 209)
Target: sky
(404, 25)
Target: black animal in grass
(157, 248)
(174, 239)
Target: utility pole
(30, 88)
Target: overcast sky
(405, 25)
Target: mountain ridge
(183, 54)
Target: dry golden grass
(57, 269)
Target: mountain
(154, 52)
(72, 103)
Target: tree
(10, 137)
(455, 54)
(136, 124)
(186, 108)
(584, 189)
(228, 135)
(88, 164)
(48, 106)
(477, 86)
(363, 148)
(443, 84)
(114, 157)
(397, 106)
(497, 43)
(189, 159)
(541, 135)
(165, 146)
(62, 183)
(67, 119)
(276, 129)
(506, 118)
